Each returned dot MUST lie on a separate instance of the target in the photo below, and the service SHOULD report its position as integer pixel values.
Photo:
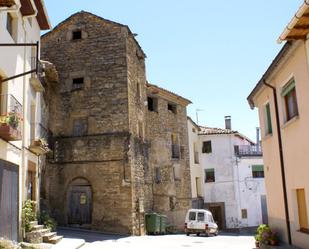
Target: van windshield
(192, 215)
(200, 216)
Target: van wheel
(188, 234)
(197, 234)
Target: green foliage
(47, 221)
(28, 214)
(266, 236)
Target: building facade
(107, 143)
(281, 97)
(22, 130)
(196, 168)
(166, 131)
(233, 178)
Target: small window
(206, 147)
(80, 127)
(209, 175)
(290, 101)
(200, 216)
(152, 104)
(268, 125)
(172, 107)
(192, 216)
(196, 154)
(78, 83)
(157, 175)
(257, 171)
(172, 203)
(77, 35)
(193, 130)
(175, 146)
(244, 214)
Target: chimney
(228, 124)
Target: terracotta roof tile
(213, 131)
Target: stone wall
(93, 138)
(172, 192)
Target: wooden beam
(301, 27)
(295, 37)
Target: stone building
(95, 177)
(166, 130)
(100, 175)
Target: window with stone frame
(290, 101)
(76, 34)
(77, 83)
(152, 104)
(80, 127)
(175, 146)
(172, 107)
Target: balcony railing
(175, 151)
(248, 150)
(10, 118)
(38, 138)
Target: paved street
(98, 240)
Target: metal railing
(10, 111)
(248, 150)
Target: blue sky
(211, 52)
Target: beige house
(282, 97)
(21, 110)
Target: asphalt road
(98, 240)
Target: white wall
(233, 184)
(195, 168)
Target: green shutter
(257, 167)
(287, 88)
(268, 117)
(209, 170)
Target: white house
(196, 169)
(21, 109)
(233, 183)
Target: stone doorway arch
(79, 202)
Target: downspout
(285, 197)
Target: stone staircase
(39, 234)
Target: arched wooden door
(79, 202)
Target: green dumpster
(152, 223)
(163, 224)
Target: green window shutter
(257, 167)
(268, 117)
(287, 88)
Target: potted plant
(265, 236)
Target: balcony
(248, 150)
(10, 118)
(35, 80)
(38, 139)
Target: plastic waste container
(152, 221)
(163, 219)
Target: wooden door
(9, 200)
(79, 205)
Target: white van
(200, 221)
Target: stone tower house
(95, 177)
(114, 157)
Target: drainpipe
(285, 197)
